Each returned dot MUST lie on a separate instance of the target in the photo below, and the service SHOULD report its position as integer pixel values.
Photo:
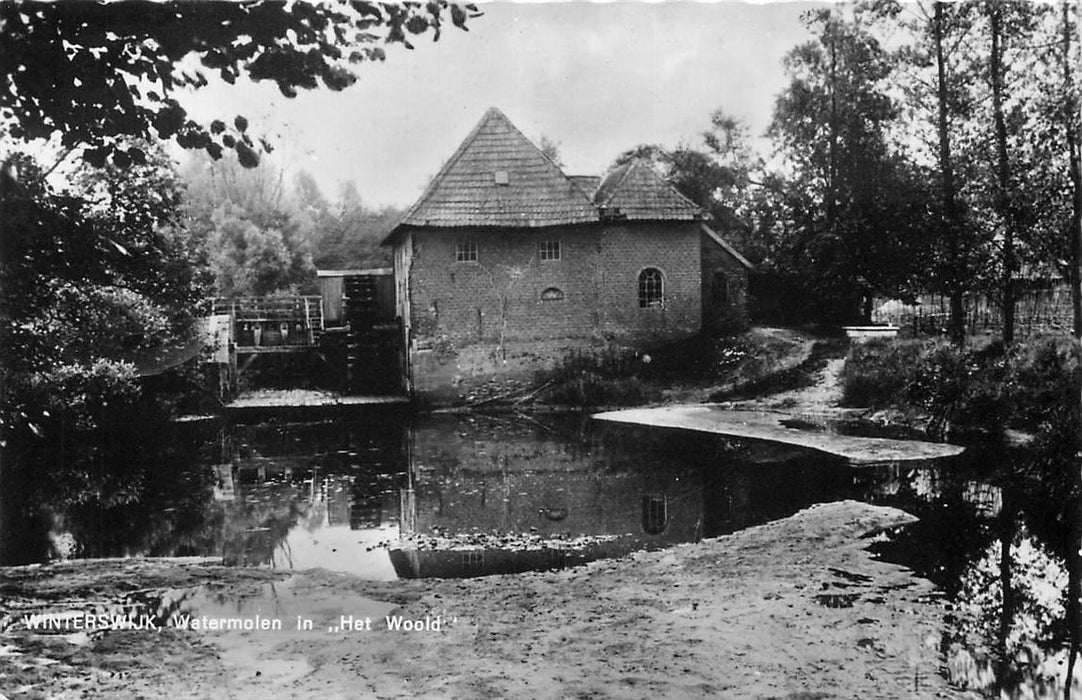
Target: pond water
(384, 495)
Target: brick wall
(488, 321)
(500, 295)
(625, 251)
(725, 289)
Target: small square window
(502, 177)
(466, 251)
(550, 250)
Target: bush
(608, 377)
(877, 373)
(590, 389)
(1041, 377)
(986, 389)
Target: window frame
(549, 250)
(551, 299)
(648, 296)
(467, 251)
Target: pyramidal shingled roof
(497, 177)
(635, 192)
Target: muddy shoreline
(793, 608)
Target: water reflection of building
(629, 488)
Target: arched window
(655, 515)
(552, 294)
(651, 288)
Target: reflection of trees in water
(149, 502)
(992, 535)
(1008, 629)
(255, 525)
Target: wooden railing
(270, 322)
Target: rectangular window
(466, 251)
(550, 250)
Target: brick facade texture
(724, 290)
(501, 295)
(489, 321)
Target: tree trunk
(832, 175)
(1004, 200)
(955, 274)
(1074, 556)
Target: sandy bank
(762, 425)
(794, 608)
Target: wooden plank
(272, 349)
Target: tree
(717, 179)
(1066, 56)
(955, 272)
(551, 149)
(258, 239)
(94, 282)
(346, 234)
(98, 74)
(855, 203)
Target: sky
(596, 78)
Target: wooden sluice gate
(347, 338)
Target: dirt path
(806, 416)
(823, 397)
(796, 608)
(776, 350)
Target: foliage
(99, 74)
(986, 90)
(96, 272)
(611, 376)
(853, 206)
(1024, 387)
(718, 178)
(346, 233)
(551, 149)
(978, 637)
(90, 280)
(257, 242)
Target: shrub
(610, 376)
(876, 373)
(1041, 376)
(985, 389)
(589, 389)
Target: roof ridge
(678, 193)
(461, 194)
(544, 155)
(616, 185)
(490, 113)
(674, 188)
(637, 191)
